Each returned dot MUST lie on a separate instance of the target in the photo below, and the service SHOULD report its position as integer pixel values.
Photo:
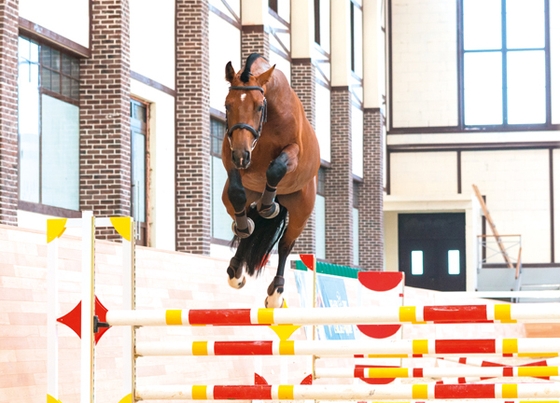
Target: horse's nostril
(241, 159)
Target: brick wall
(303, 83)
(105, 114)
(338, 180)
(8, 111)
(371, 193)
(193, 181)
(254, 39)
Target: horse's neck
(279, 94)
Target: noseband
(255, 132)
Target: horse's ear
(230, 72)
(264, 77)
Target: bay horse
(271, 156)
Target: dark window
(317, 16)
(505, 59)
(352, 37)
(221, 231)
(273, 5)
(139, 171)
(217, 130)
(321, 182)
(48, 128)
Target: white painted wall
(152, 40)
(425, 174)
(555, 59)
(516, 186)
(424, 64)
(225, 46)
(68, 18)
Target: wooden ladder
(495, 232)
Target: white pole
(129, 302)
(52, 308)
(87, 347)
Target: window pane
(417, 262)
(221, 221)
(483, 88)
(66, 86)
(356, 235)
(320, 228)
(55, 82)
(482, 27)
(526, 81)
(46, 78)
(46, 56)
(28, 128)
(525, 24)
(55, 60)
(138, 176)
(453, 262)
(60, 166)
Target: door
(432, 250)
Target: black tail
(255, 249)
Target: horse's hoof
(237, 283)
(234, 281)
(270, 212)
(274, 301)
(246, 233)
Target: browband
(247, 88)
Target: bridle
(255, 132)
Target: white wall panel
(357, 142)
(555, 59)
(516, 186)
(152, 40)
(424, 174)
(556, 184)
(424, 63)
(67, 18)
(323, 120)
(225, 46)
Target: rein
(255, 132)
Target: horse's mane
(247, 71)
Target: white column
(340, 43)
(302, 26)
(254, 12)
(87, 361)
(373, 53)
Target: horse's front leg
(235, 200)
(278, 168)
(242, 225)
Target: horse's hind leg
(300, 206)
(236, 272)
(274, 298)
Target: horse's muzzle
(241, 158)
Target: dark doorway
(432, 250)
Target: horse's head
(245, 113)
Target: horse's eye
(227, 107)
(259, 108)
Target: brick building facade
(105, 148)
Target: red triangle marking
(308, 261)
(73, 319)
